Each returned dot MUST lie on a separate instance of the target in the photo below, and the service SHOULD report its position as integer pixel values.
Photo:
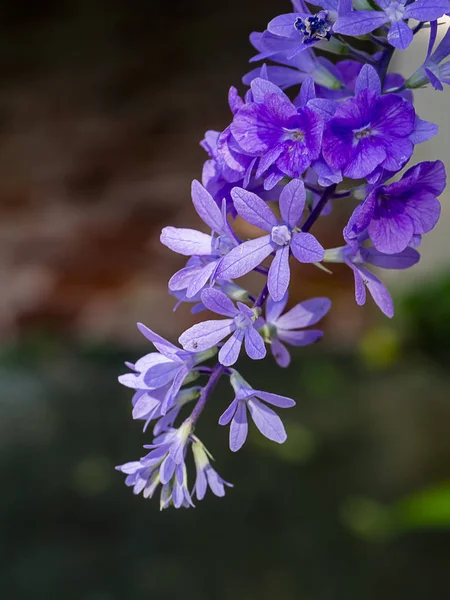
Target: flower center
(314, 28)
(281, 235)
(242, 322)
(395, 11)
(362, 133)
(223, 245)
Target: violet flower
(272, 129)
(395, 12)
(206, 475)
(357, 259)
(394, 214)
(283, 238)
(370, 130)
(288, 327)
(240, 324)
(265, 419)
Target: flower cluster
(309, 132)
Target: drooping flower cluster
(346, 133)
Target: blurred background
(102, 107)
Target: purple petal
(167, 469)
(164, 346)
(229, 353)
(244, 258)
(307, 91)
(423, 131)
(267, 421)
(427, 10)
(401, 260)
(218, 302)
(261, 87)
(254, 344)
(275, 399)
(238, 428)
(182, 278)
(203, 336)
(360, 22)
(279, 274)
(300, 338)
(280, 353)
(306, 248)
(253, 210)
(274, 309)
(162, 374)
(304, 314)
(145, 405)
(391, 232)
(201, 278)
(206, 207)
(229, 413)
(283, 25)
(400, 34)
(424, 213)
(366, 156)
(378, 291)
(292, 202)
(368, 78)
(188, 242)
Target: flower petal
(304, 314)
(254, 344)
(252, 209)
(206, 207)
(279, 274)
(238, 428)
(306, 248)
(292, 202)
(188, 242)
(245, 257)
(229, 353)
(267, 421)
(218, 302)
(205, 335)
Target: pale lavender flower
(164, 465)
(207, 248)
(288, 327)
(240, 325)
(206, 475)
(265, 419)
(395, 12)
(169, 368)
(282, 239)
(394, 214)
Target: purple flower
(356, 259)
(206, 475)
(285, 328)
(433, 70)
(295, 32)
(370, 130)
(395, 12)
(148, 406)
(163, 465)
(265, 419)
(394, 214)
(294, 70)
(168, 368)
(282, 239)
(208, 247)
(240, 324)
(274, 130)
